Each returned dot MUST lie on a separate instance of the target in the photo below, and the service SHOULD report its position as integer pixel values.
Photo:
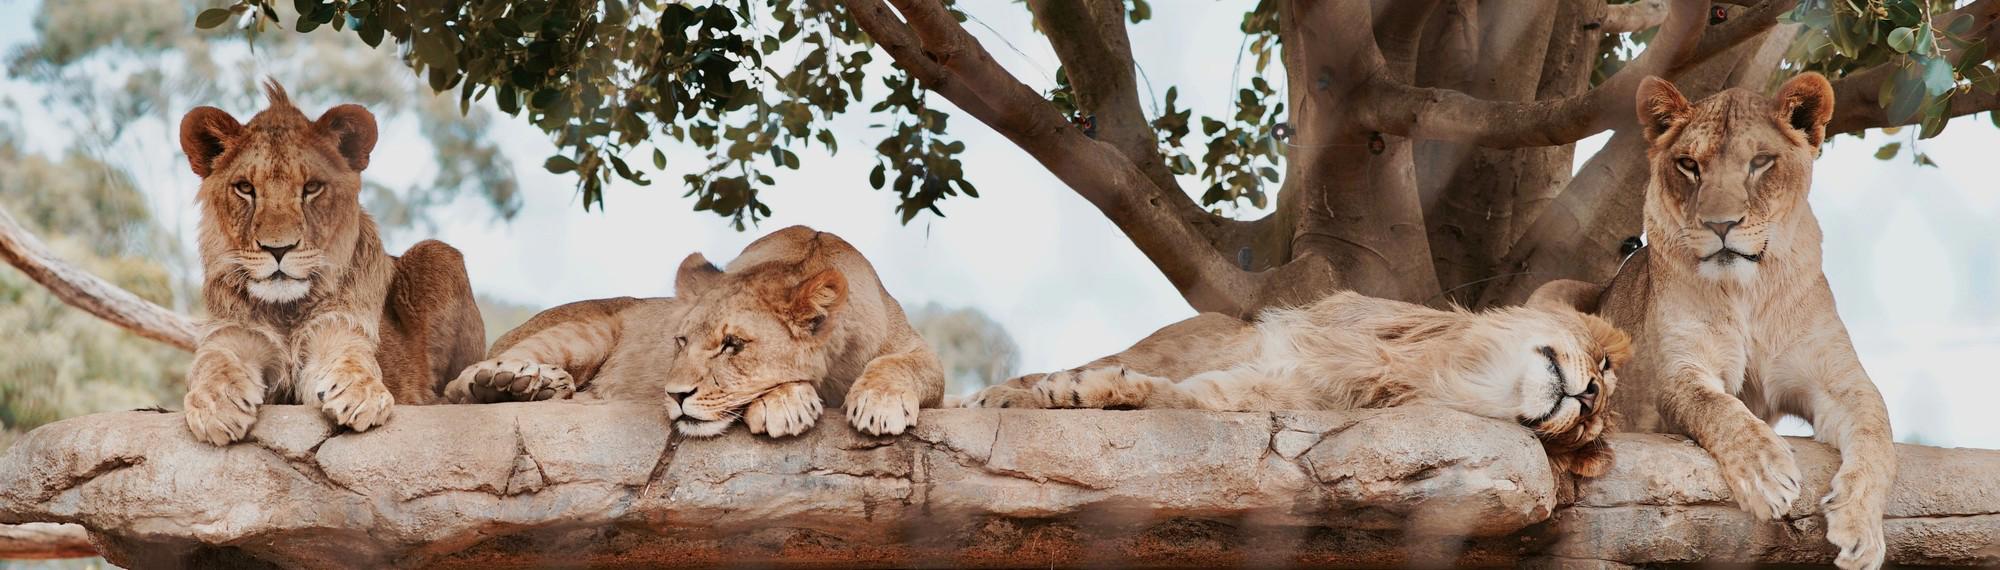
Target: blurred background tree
(975, 350)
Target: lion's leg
(1847, 412)
(542, 366)
(226, 383)
(885, 398)
(1207, 341)
(1756, 463)
(432, 300)
(1232, 389)
(339, 372)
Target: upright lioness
(1733, 319)
(799, 321)
(1547, 367)
(303, 304)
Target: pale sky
(1911, 251)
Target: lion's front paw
(354, 397)
(787, 410)
(510, 381)
(1009, 394)
(1094, 388)
(221, 407)
(1762, 475)
(880, 410)
(1854, 523)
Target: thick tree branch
(929, 42)
(90, 293)
(1857, 96)
(1628, 18)
(1399, 108)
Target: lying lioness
(798, 321)
(1546, 366)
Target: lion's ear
(1805, 104)
(1661, 106)
(815, 300)
(206, 133)
(1591, 460)
(352, 130)
(695, 275)
(1617, 345)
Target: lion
(561, 352)
(1547, 367)
(1734, 317)
(304, 305)
(798, 322)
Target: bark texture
(516, 485)
(89, 292)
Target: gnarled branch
(931, 44)
(88, 292)
(1627, 18)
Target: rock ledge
(603, 484)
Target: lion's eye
(311, 189)
(244, 189)
(1761, 161)
(1604, 364)
(732, 345)
(680, 342)
(1689, 166)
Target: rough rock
(604, 484)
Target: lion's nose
(1721, 229)
(278, 251)
(1588, 399)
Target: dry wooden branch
(88, 292)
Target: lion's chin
(279, 289)
(701, 428)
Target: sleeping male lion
(1735, 324)
(1547, 367)
(304, 306)
(798, 322)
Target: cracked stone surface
(603, 484)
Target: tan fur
(334, 322)
(815, 325)
(1534, 365)
(1729, 344)
(604, 349)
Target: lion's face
(1556, 379)
(1730, 172)
(280, 195)
(747, 332)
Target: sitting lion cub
(1547, 367)
(1734, 318)
(798, 321)
(303, 304)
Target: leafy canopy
(750, 81)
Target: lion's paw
(354, 396)
(877, 410)
(222, 405)
(1008, 394)
(509, 380)
(1854, 523)
(787, 410)
(1094, 388)
(1761, 474)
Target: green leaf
(614, 13)
(211, 17)
(1888, 151)
(434, 51)
(1902, 40)
(877, 177)
(1937, 76)
(1925, 160)
(559, 164)
(659, 159)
